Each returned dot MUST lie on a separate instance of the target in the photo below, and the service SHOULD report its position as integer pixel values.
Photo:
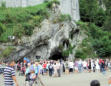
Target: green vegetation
(99, 40)
(91, 11)
(21, 21)
(96, 23)
(2, 28)
(85, 50)
(68, 51)
(3, 4)
(6, 52)
(64, 17)
(50, 4)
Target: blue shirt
(37, 68)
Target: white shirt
(71, 65)
(84, 64)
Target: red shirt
(44, 65)
(100, 61)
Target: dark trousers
(70, 70)
(59, 72)
(50, 72)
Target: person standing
(89, 65)
(80, 66)
(97, 65)
(27, 74)
(55, 69)
(103, 67)
(50, 67)
(9, 74)
(37, 69)
(44, 67)
(109, 66)
(58, 69)
(93, 66)
(84, 66)
(71, 66)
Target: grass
(6, 52)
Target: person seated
(95, 83)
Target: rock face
(70, 7)
(46, 40)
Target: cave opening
(57, 55)
(66, 41)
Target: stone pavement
(82, 79)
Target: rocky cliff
(47, 40)
(70, 7)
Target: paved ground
(82, 79)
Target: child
(32, 77)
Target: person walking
(9, 74)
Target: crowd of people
(56, 68)
(31, 70)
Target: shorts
(89, 67)
(45, 70)
(70, 69)
(85, 68)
